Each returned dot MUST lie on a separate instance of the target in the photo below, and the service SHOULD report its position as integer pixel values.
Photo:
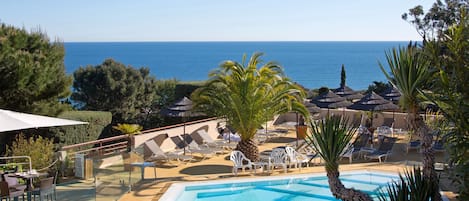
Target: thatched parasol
(347, 93)
(373, 102)
(181, 108)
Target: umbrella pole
(184, 134)
(297, 124)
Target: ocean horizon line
(248, 41)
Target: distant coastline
(310, 63)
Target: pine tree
(342, 76)
(32, 72)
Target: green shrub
(41, 150)
(68, 135)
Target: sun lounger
(348, 152)
(209, 141)
(191, 146)
(384, 149)
(194, 145)
(415, 144)
(160, 155)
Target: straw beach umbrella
(392, 94)
(348, 93)
(312, 108)
(183, 109)
(373, 102)
(330, 100)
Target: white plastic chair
(239, 160)
(278, 158)
(295, 158)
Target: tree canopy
(112, 86)
(248, 96)
(32, 72)
(343, 76)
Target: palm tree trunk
(338, 189)
(249, 149)
(428, 155)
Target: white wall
(168, 145)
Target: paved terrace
(219, 167)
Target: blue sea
(311, 64)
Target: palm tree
(330, 137)
(246, 96)
(410, 73)
(130, 130)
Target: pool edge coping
(176, 189)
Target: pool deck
(219, 167)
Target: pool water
(299, 187)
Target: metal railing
(17, 157)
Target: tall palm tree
(246, 96)
(330, 137)
(410, 73)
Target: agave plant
(330, 137)
(411, 186)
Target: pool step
(220, 193)
(322, 197)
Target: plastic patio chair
(278, 158)
(296, 158)
(239, 161)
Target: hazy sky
(215, 20)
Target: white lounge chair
(239, 161)
(209, 141)
(348, 152)
(278, 158)
(295, 158)
(160, 155)
(203, 149)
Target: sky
(214, 20)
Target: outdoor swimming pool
(289, 187)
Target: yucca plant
(330, 137)
(410, 74)
(411, 186)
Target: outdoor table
(265, 160)
(28, 177)
(261, 165)
(142, 166)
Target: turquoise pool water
(295, 188)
